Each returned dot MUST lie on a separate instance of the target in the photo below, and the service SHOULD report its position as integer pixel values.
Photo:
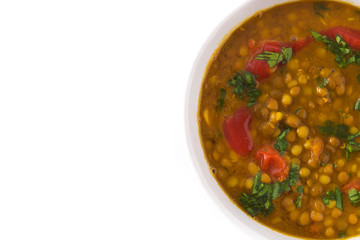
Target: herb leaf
(298, 201)
(300, 189)
(338, 198)
(342, 235)
(259, 201)
(357, 104)
(333, 195)
(343, 54)
(354, 196)
(274, 58)
(318, 7)
(322, 82)
(293, 174)
(352, 145)
(281, 144)
(339, 130)
(220, 101)
(244, 84)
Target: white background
(92, 142)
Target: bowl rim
(199, 68)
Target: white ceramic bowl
(246, 10)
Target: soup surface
(278, 117)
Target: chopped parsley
(293, 174)
(342, 235)
(354, 196)
(298, 201)
(320, 7)
(300, 189)
(344, 56)
(260, 200)
(281, 144)
(339, 130)
(274, 58)
(352, 145)
(322, 82)
(333, 195)
(357, 104)
(221, 100)
(244, 84)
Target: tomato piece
(261, 68)
(350, 36)
(353, 184)
(272, 163)
(300, 44)
(237, 133)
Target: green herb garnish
(221, 100)
(354, 196)
(300, 189)
(274, 58)
(338, 198)
(357, 104)
(333, 195)
(281, 144)
(260, 200)
(319, 7)
(352, 145)
(293, 174)
(342, 235)
(339, 130)
(322, 82)
(343, 54)
(298, 201)
(244, 84)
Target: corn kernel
(353, 130)
(232, 181)
(249, 183)
(265, 178)
(253, 169)
(302, 79)
(303, 132)
(272, 104)
(331, 204)
(324, 179)
(286, 100)
(296, 150)
(304, 172)
(243, 51)
(292, 84)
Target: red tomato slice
(300, 44)
(350, 36)
(272, 163)
(260, 68)
(353, 184)
(237, 133)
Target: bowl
(237, 216)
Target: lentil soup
(278, 118)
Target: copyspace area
(92, 142)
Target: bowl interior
(239, 218)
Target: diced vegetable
(272, 163)
(237, 132)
